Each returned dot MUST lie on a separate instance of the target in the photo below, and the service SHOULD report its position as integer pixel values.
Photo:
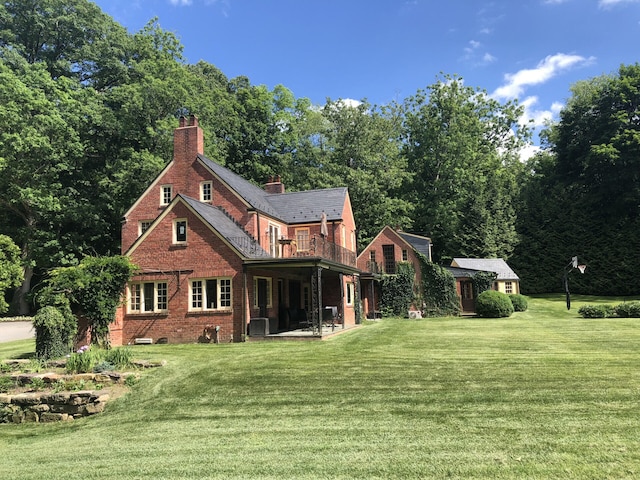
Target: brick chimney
(188, 140)
(274, 185)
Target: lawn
(543, 394)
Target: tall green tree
(582, 196)
(462, 149)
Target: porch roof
(302, 262)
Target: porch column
(316, 300)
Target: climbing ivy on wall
(439, 294)
(398, 290)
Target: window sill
(209, 312)
(163, 313)
(178, 246)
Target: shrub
(519, 302)
(628, 309)
(595, 311)
(6, 383)
(54, 332)
(37, 383)
(103, 366)
(119, 357)
(84, 360)
(493, 304)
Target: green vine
(398, 290)
(439, 293)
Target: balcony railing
(313, 246)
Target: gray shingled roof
(294, 207)
(496, 265)
(461, 272)
(253, 195)
(227, 228)
(419, 243)
(307, 206)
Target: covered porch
(299, 297)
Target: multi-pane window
(148, 297)
(210, 294)
(180, 231)
(302, 239)
(205, 192)
(143, 226)
(405, 255)
(508, 287)
(166, 193)
(388, 252)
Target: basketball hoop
(582, 268)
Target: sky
(387, 50)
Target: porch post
(341, 306)
(316, 300)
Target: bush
(519, 302)
(119, 357)
(54, 332)
(595, 311)
(493, 304)
(628, 309)
(84, 360)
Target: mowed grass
(543, 394)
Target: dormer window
(166, 193)
(205, 192)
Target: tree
(462, 148)
(582, 196)
(10, 269)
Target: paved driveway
(10, 331)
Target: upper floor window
(180, 231)
(166, 193)
(388, 252)
(405, 255)
(148, 297)
(206, 194)
(302, 239)
(143, 226)
(210, 294)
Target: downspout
(244, 303)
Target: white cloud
(181, 3)
(488, 58)
(548, 68)
(612, 3)
(540, 117)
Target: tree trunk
(19, 303)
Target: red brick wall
(204, 256)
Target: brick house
(381, 256)
(220, 258)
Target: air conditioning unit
(415, 314)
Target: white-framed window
(180, 231)
(302, 239)
(166, 194)
(262, 286)
(274, 236)
(206, 192)
(148, 297)
(508, 287)
(143, 226)
(210, 294)
(349, 294)
(405, 255)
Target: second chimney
(274, 185)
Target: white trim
(269, 291)
(141, 297)
(202, 196)
(203, 295)
(174, 231)
(163, 188)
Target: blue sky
(385, 50)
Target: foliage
(93, 359)
(439, 293)
(584, 192)
(6, 383)
(628, 309)
(397, 291)
(519, 302)
(37, 383)
(11, 274)
(93, 290)
(595, 311)
(493, 304)
(55, 329)
(462, 150)
(482, 281)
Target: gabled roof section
(496, 265)
(255, 196)
(307, 206)
(228, 229)
(293, 207)
(419, 243)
